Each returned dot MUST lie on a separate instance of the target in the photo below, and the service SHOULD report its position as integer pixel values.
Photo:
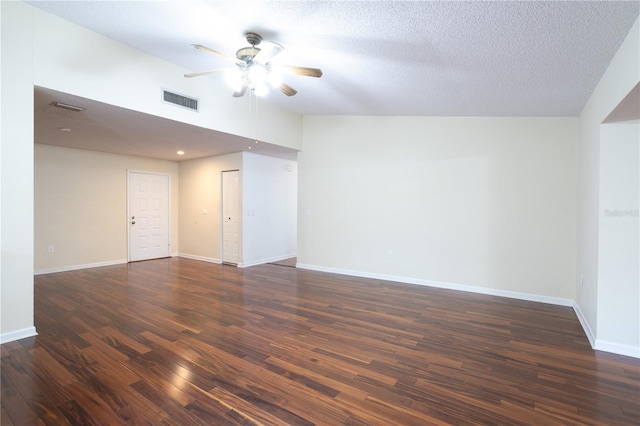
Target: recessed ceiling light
(68, 106)
(64, 129)
(180, 152)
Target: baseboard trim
(444, 285)
(77, 267)
(202, 258)
(268, 260)
(17, 335)
(603, 345)
(617, 348)
(585, 325)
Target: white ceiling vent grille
(180, 100)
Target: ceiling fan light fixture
(234, 78)
(254, 71)
(255, 77)
(261, 89)
(274, 78)
(257, 74)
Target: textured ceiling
(446, 58)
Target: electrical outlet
(389, 254)
(51, 249)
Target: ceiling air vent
(180, 100)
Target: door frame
(129, 173)
(240, 213)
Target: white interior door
(148, 215)
(230, 217)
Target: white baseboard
(202, 258)
(585, 325)
(17, 335)
(76, 267)
(268, 260)
(603, 345)
(617, 348)
(449, 286)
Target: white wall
(481, 202)
(269, 200)
(620, 78)
(16, 171)
(74, 60)
(200, 190)
(81, 206)
(619, 243)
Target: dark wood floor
(182, 342)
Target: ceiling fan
(254, 70)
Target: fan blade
(267, 52)
(241, 92)
(290, 69)
(198, 74)
(213, 52)
(286, 89)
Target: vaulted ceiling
(416, 58)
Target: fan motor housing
(253, 38)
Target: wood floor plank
(291, 395)
(13, 403)
(39, 393)
(5, 420)
(136, 409)
(246, 408)
(93, 402)
(181, 342)
(175, 411)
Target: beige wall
(81, 206)
(200, 186)
(477, 202)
